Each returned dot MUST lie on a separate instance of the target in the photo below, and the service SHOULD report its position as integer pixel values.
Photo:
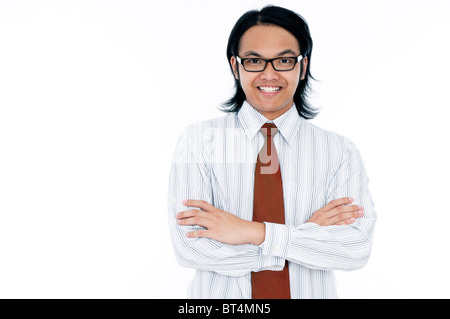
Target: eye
(286, 61)
(253, 61)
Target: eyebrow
(253, 53)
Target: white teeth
(269, 89)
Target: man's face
(260, 88)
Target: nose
(269, 73)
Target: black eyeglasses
(259, 65)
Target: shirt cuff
(277, 241)
(270, 263)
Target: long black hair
(290, 21)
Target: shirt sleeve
(190, 179)
(344, 247)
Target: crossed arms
(229, 229)
(206, 237)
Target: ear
(304, 66)
(233, 63)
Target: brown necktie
(268, 206)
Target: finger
(190, 214)
(198, 234)
(336, 203)
(346, 222)
(194, 221)
(199, 204)
(349, 217)
(332, 216)
(197, 220)
(343, 210)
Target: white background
(93, 95)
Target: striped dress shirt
(215, 161)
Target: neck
(270, 113)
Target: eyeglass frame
(297, 59)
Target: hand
(220, 225)
(337, 212)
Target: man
(261, 202)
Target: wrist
(258, 233)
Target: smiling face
(270, 92)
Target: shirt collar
(287, 124)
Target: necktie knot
(269, 129)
